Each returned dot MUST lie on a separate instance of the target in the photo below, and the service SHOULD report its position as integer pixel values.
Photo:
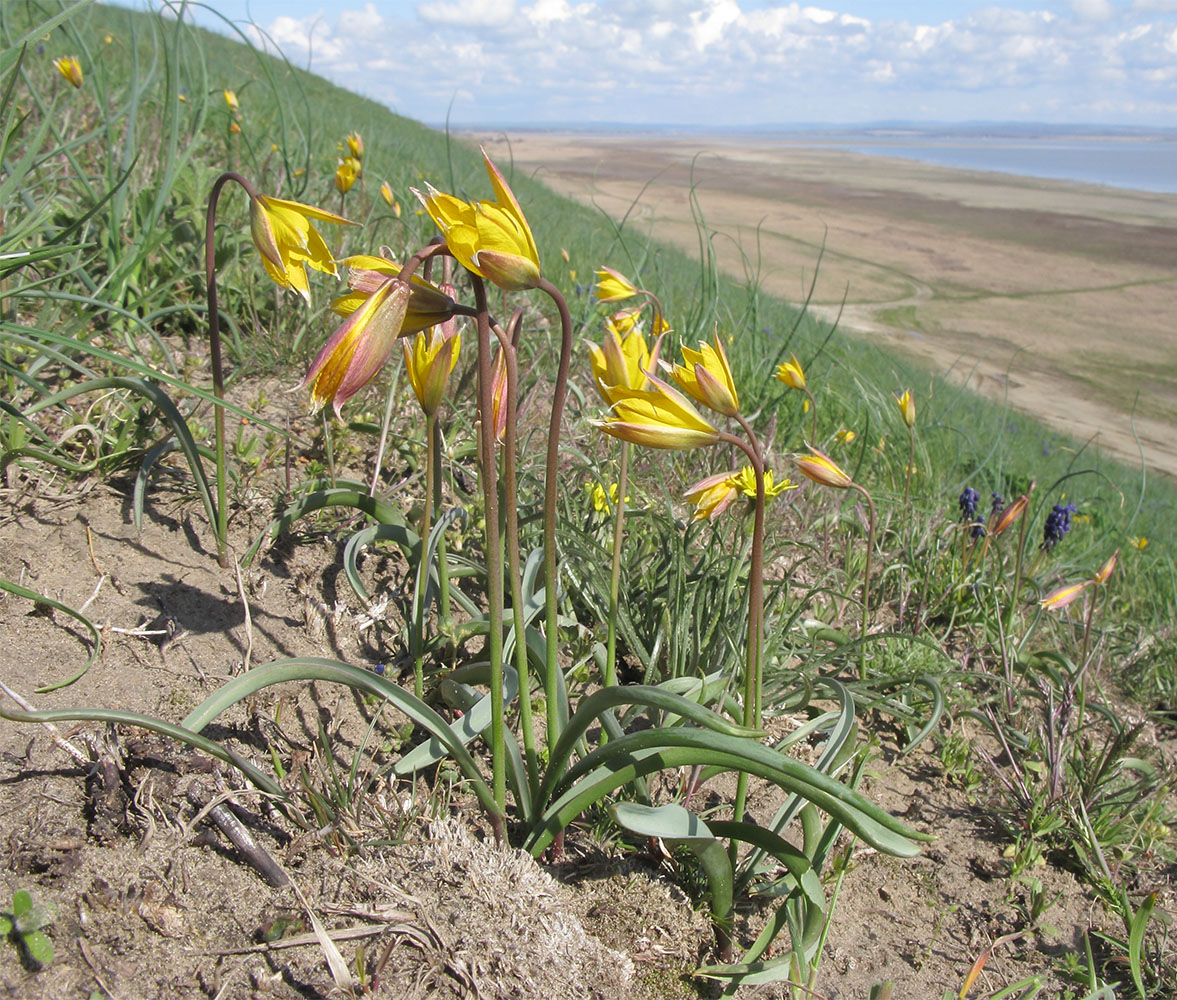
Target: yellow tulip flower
(490, 238)
(231, 100)
(791, 373)
(822, 469)
(657, 417)
(284, 236)
(845, 436)
(346, 174)
(707, 378)
(390, 199)
(906, 407)
(358, 350)
(429, 360)
(621, 361)
(355, 146)
(70, 68)
(613, 286)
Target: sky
(735, 62)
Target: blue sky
(737, 62)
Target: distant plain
(1060, 297)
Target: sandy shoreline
(1059, 296)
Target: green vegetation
(23, 925)
(886, 604)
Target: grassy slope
(962, 439)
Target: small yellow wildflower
(346, 174)
(791, 373)
(906, 407)
(70, 68)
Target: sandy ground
(1057, 296)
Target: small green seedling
(23, 926)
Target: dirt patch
(1055, 296)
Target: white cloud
(1093, 10)
(730, 61)
(468, 13)
(708, 25)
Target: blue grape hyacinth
(1058, 523)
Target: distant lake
(1144, 165)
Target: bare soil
(153, 902)
(1056, 296)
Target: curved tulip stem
(659, 312)
(425, 253)
(551, 575)
(220, 528)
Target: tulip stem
(426, 526)
(610, 679)
(511, 515)
(443, 573)
(753, 665)
(493, 554)
(910, 465)
(551, 575)
(221, 527)
(870, 547)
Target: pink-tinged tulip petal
(357, 351)
(1107, 569)
(712, 496)
(498, 392)
(1056, 600)
(822, 469)
(1012, 513)
(428, 305)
